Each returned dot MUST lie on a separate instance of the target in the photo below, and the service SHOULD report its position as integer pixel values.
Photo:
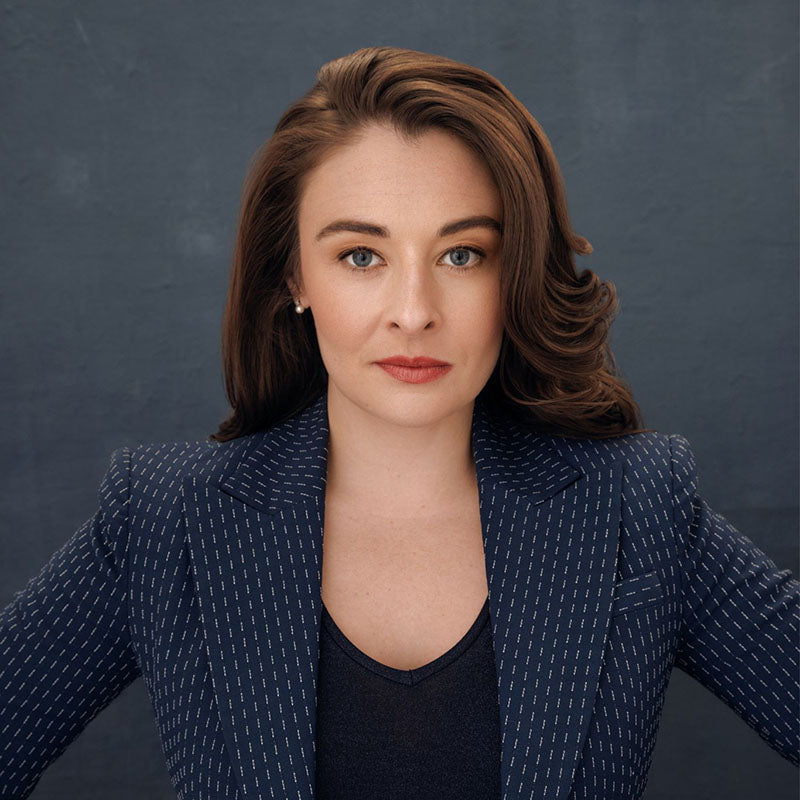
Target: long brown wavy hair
(555, 369)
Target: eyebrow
(371, 229)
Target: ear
(294, 282)
(293, 289)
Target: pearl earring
(299, 308)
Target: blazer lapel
(550, 541)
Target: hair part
(555, 370)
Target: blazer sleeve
(740, 628)
(65, 649)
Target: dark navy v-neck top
(393, 734)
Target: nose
(414, 297)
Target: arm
(739, 635)
(65, 650)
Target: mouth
(415, 374)
(417, 361)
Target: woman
(432, 552)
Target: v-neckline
(408, 677)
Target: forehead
(382, 171)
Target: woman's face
(409, 290)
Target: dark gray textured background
(126, 132)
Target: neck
(399, 468)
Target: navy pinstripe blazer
(201, 572)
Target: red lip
(418, 361)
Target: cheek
(477, 338)
(482, 320)
(336, 312)
(341, 327)
(490, 333)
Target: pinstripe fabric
(201, 572)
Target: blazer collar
(550, 534)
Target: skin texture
(402, 449)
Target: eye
(363, 256)
(463, 263)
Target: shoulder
(648, 457)
(634, 449)
(156, 470)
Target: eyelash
(342, 256)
